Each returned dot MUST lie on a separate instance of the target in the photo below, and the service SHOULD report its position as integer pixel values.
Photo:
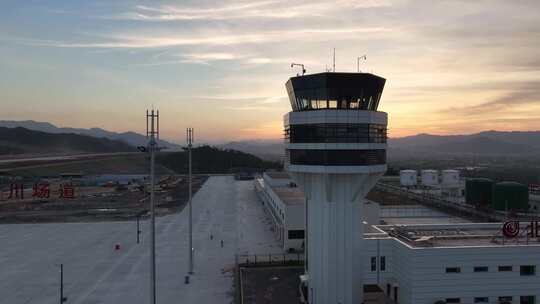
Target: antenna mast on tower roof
(334, 61)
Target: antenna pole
(190, 144)
(334, 61)
(152, 119)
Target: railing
(283, 259)
(439, 203)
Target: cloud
(457, 64)
(210, 38)
(245, 98)
(274, 9)
(516, 96)
(207, 58)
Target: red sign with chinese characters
(16, 191)
(67, 191)
(41, 190)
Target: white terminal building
(335, 153)
(437, 261)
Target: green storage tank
(511, 195)
(479, 191)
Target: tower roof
(330, 90)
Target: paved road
(96, 273)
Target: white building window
(527, 300)
(527, 270)
(481, 300)
(296, 234)
(505, 300)
(373, 263)
(481, 269)
(453, 270)
(505, 268)
(383, 263)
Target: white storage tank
(430, 177)
(408, 178)
(450, 178)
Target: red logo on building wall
(511, 229)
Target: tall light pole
(152, 134)
(62, 298)
(189, 137)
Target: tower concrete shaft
(334, 234)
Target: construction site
(94, 198)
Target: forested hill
(207, 159)
(24, 141)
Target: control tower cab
(336, 150)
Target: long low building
(285, 203)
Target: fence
(284, 259)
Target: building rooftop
(278, 175)
(290, 195)
(417, 214)
(456, 235)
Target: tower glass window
(337, 157)
(336, 133)
(335, 91)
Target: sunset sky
(220, 66)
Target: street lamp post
(152, 134)
(189, 135)
(62, 298)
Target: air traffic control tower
(336, 150)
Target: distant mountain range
(207, 159)
(492, 143)
(23, 141)
(272, 150)
(131, 138)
